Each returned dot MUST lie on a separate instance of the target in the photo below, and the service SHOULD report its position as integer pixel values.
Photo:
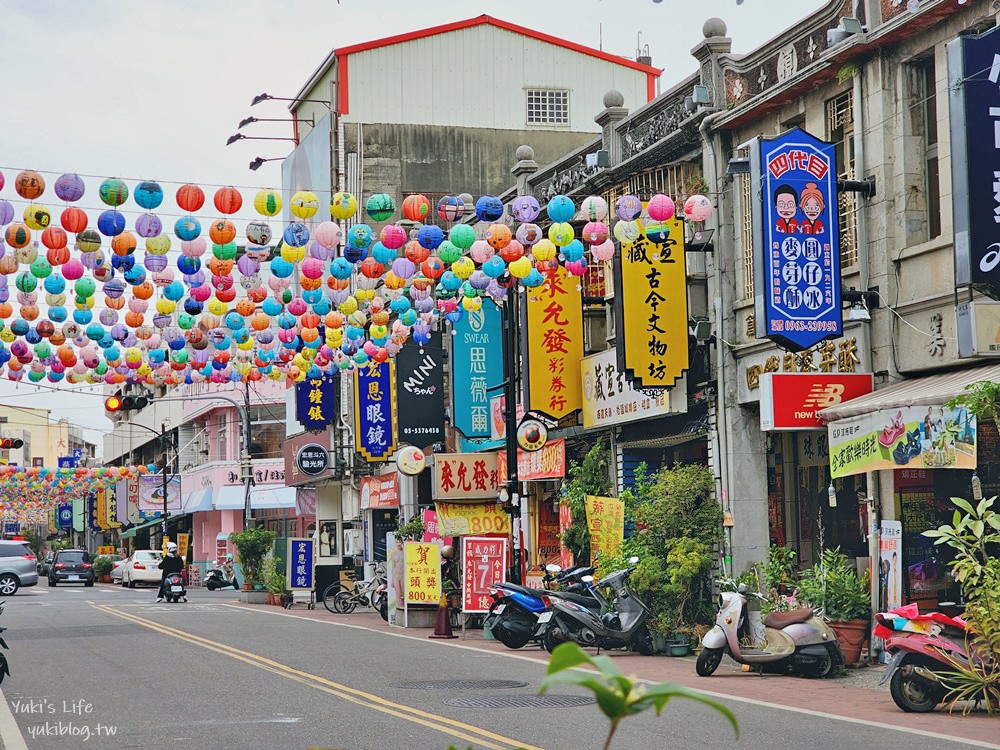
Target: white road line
(10, 733)
(721, 696)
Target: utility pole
(246, 465)
(163, 440)
(510, 359)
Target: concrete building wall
(48, 440)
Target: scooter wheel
(212, 585)
(911, 693)
(708, 661)
(552, 638)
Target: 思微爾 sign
(793, 401)
(651, 310)
(316, 403)
(798, 258)
(477, 366)
(465, 519)
(375, 410)
(910, 437)
(380, 491)
(483, 564)
(610, 398)
(465, 476)
(547, 463)
(555, 345)
(299, 572)
(422, 577)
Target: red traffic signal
(125, 403)
(8, 443)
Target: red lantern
(371, 268)
(57, 255)
(73, 219)
(258, 295)
(225, 295)
(190, 198)
(54, 238)
(416, 253)
(416, 207)
(512, 251)
(432, 268)
(228, 200)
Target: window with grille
(746, 228)
(548, 107)
(840, 131)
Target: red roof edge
(507, 26)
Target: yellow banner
(423, 572)
(111, 495)
(102, 509)
(606, 522)
(182, 545)
(464, 519)
(555, 345)
(651, 287)
(106, 550)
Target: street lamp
(259, 161)
(240, 137)
(267, 98)
(250, 120)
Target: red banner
(483, 561)
(380, 491)
(547, 463)
(565, 521)
(547, 544)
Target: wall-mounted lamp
(250, 120)
(738, 165)
(240, 137)
(259, 161)
(267, 98)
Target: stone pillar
(525, 167)
(613, 113)
(708, 52)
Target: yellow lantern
(267, 202)
(292, 254)
(561, 234)
(158, 245)
(348, 306)
(463, 267)
(217, 307)
(520, 267)
(275, 374)
(343, 206)
(37, 216)
(544, 250)
(246, 345)
(165, 306)
(304, 204)
(7, 336)
(472, 304)
(55, 300)
(87, 303)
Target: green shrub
(103, 566)
(252, 547)
(834, 586)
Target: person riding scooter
(172, 563)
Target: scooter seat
(586, 601)
(781, 620)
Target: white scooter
(796, 642)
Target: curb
(10, 733)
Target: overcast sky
(151, 89)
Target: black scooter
(216, 579)
(4, 668)
(173, 588)
(624, 625)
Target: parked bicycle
(340, 599)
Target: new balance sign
(792, 401)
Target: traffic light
(125, 403)
(8, 443)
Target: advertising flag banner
(183, 540)
(299, 572)
(909, 437)
(316, 403)
(555, 345)
(547, 463)
(132, 497)
(92, 512)
(610, 398)
(65, 515)
(465, 519)
(375, 410)
(381, 491)
(974, 101)
(651, 310)
(102, 508)
(150, 495)
(565, 522)
(422, 579)
(432, 532)
(606, 522)
(465, 476)
(797, 261)
(420, 392)
(477, 366)
(890, 565)
(111, 496)
(547, 538)
(483, 564)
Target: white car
(117, 571)
(141, 567)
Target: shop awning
(229, 498)
(932, 390)
(222, 536)
(148, 524)
(197, 501)
(272, 497)
(664, 431)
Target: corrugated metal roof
(926, 391)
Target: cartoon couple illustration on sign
(787, 202)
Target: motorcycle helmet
(229, 557)
(171, 547)
(447, 551)
(611, 621)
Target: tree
(591, 477)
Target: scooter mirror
(551, 568)
(633, 560)
(587, 579)
(742, 588)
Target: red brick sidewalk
(840, 697)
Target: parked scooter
(513, 615)
(216, 579)
(796, 642)
(173, 588)
(4, 667)
(919, 653)
(621, 624)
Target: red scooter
(918, 645)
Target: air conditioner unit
(699, 95)
(598, 159)
(595, 332)
(836, 36)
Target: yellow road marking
(439, 723)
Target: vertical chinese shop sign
(477, 366)
(483, 563)
(423, 573)
(375, 410)
(555, 345)
(606, 523)
(651, 310)
(315, 403)
(798, 258)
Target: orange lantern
(6, 310)
(331, 282)
(260, 321)
(57, 339)
(245, 307)
(29, 184)
(220, 267)
(54, 238)
(258, 295)
(333, 320)
(8, 264)
(310, 285)
(17, 235)
(57, 255)
(190, 198)
(143, 290)
(228, 200)
(115, 303)
(222, 231)
(134, 319)
(309, 334)
(416, 207)
(29, 312)
(123, 244)
(310, 320)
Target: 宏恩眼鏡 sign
(375, 410)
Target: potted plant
(834, 586)
(102, 568)
(276, 582)
(252, 547)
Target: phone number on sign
(831, 326)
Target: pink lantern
(73, 269)
(594, 208)
(604, 251)
(393, 236)
(481, 251)
(311, 268)
(328, 235)
(297, 306)
(595, 232)
(661, 207)
(576, 267)
(195, 247)
(697, 208)
(201, 293)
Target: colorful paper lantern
(228, 200)
(661, 207)
(17, 235)
(37, 216)
(525, 208)
(343, 206)
(594, 208)
(113, 192)
(560, 209)
(29, 184)
(304, 204)
(148, 194)
(73, 219)
(450, 208)
(267, 202)
(489, 208)
(697, 208)
(70, 187)
(380, 206)
(628, 208)
(416, 207)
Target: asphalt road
(106, 667)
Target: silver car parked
(17, 567)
